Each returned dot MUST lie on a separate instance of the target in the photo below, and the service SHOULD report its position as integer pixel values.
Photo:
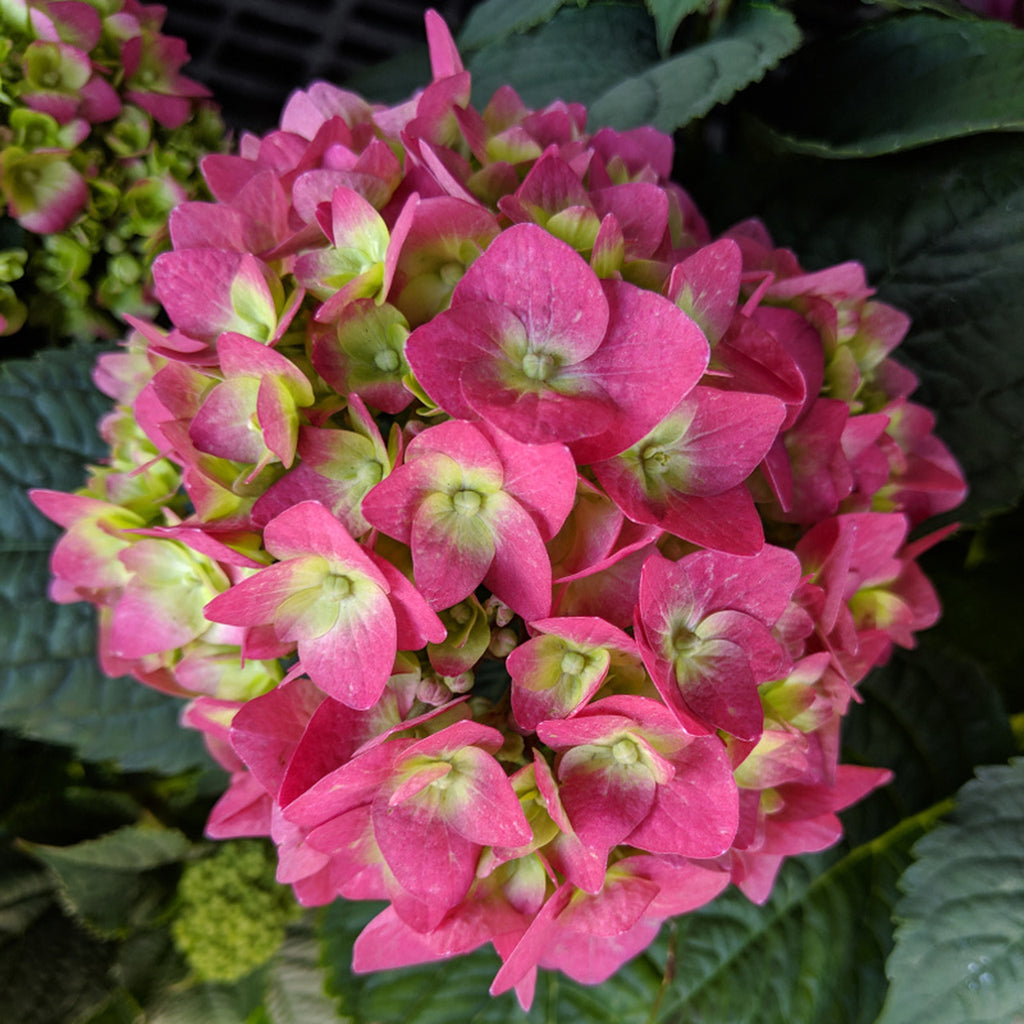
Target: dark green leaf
(930, 715)
(814, 952)
(959, 952)
(104, 880)
(209, 1003)
(52, 971)
(48, 414)
(392, 80)
(941, 234)
(942, 78)
(494, 20)
(951, 8)
(296, 993)
(676, 91)
(978, 577)
(51, 687)
(575, 57)
(668, 16)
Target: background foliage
(883, 132)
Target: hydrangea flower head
(555, 534)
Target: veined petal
(253, 601)
(547, 285)
(429, 860)
(353, 660)
(652, 355)
(696, 813)
(452, 550)
(520, 573)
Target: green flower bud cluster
(232, 913)
(87, 263)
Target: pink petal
(644, 379)
(695, 814)
(546, 285)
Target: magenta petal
(451, 553)
(474, 332)
(429, 860)
(728, 522)
(58, 197)
(728, 434)
(542, 478)
(546, 284)
(520, 573)
(641, 209)
(416, 622)
(718, 688)
(483, 807)
(578, 407)
(528, 951)
(707, 286)
(352, 662)
(354, 784)
(309, 528)
(194, 286)
(467, 443)
(253, 601)
(604, 806)
(696, 813)
(643, 378)
(391, 504)
(266, 731)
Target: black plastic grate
(254, 53)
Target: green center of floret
(386, 360)
(338, 587)
(654, 458)
(467, 503)
(683, 641)
(573, 663)
(451, 273)
(538, 365)
(626, 752)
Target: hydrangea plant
(517, 545)
(100, 136)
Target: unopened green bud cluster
(232, 913)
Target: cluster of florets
(519, 545)
(100, 136)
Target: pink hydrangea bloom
(557, 531)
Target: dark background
(254, 53)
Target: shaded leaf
(296, 992)
(668, 16)
(931, 715)
(814, 952)
(951, 8)
(676, 91)
(959, 952)
(52, 971)
(210, 1003)
(943, 78)
(493, 20)
(104, 880)
(393, 80)
(978, 577)
(51, 687)
(576, 56)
